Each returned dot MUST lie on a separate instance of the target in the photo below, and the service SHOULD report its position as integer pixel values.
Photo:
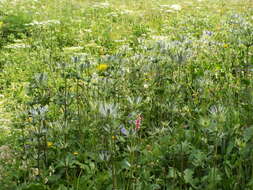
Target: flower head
(138, 122)
(75, 153)
(29, 119)
(124, 131)
(102, 67)
(225, 45)
(207, 33)
(176, 7)
(49, 144)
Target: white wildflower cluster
(145, 85)
(125, 69)
(203, 82)
(126, 12)
(5, 128)
(43, 23)
(17, 46)
(95, 78)
(171, 8)
(101, 5)
(125, 48)
(119, 12)
(112, 14)
(72, 49)
(159, 38)
(87, 30)
(176, 7)
(119, 41)
(10, 2)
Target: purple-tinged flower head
(124, 131)
(208, 33)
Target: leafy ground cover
(137, 94)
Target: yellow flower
(1, 24)
(49, 144)
(225, 45)
(75, 153)
(29, 119)
(113, 137)
(102, 67)
(101, 51)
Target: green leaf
(230, 147)
(173, 173)
(82, 165)
(248, 133)
(34, 186)
(188, 176)
(124, 164)
(62, 187)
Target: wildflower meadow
(126, 95)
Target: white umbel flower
(17, 46)
(43, 23)
(176, 7)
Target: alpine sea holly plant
(126, 95)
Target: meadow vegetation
(126, 94)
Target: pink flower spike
(138, 122)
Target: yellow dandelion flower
(113, 137)
(225, 45)
(102, 67)
(75, 153)
(49, 144)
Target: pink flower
(138, 122)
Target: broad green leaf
(188, 173)
(248, 133)
(125, 164)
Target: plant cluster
(111, 98)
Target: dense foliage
(133, 95)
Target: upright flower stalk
(138, 122)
